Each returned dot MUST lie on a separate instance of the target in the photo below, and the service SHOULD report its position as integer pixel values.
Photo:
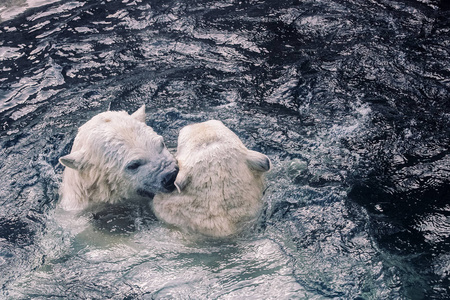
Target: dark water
(350, 99)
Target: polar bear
(116, 156)
(220, 183)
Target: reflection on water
(348, 98)
(12, 8)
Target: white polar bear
(220, 182)
(116, 156)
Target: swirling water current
(349, 99)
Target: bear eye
(134, 165)
(160, 144)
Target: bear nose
(168, 181)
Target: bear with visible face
(116, 157)
(220, 183)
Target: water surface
(349, 99)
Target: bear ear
(182, 181)
(140, 114)
(72, 160)
(258, 161)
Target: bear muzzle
(145, 193)
(168, 180)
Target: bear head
(116, 156)
(212, 138)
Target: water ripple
(348, 98)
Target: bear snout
(168, 180)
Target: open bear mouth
(145, 193)
(168, 182)
(168, 188)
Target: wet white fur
(220, 182)
(95, 168)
